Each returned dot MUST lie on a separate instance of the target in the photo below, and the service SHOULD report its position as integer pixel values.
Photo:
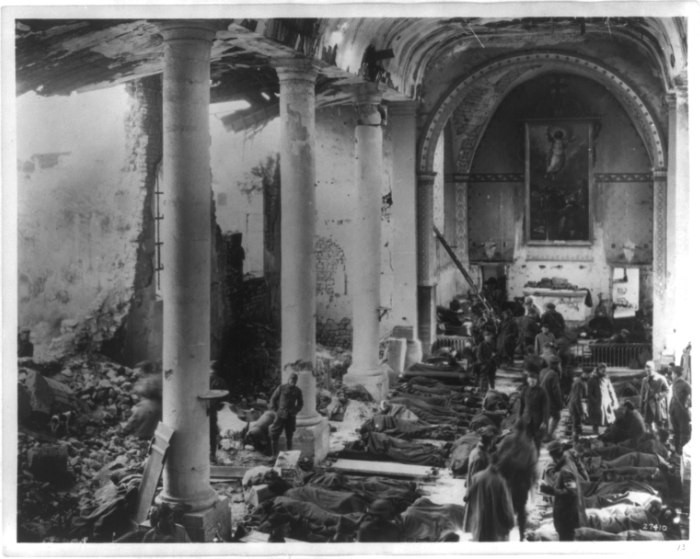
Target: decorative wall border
(461, 236)
(520, 177)
(624, 177)
(491, 177)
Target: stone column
(426, 260)
(366, 252)
(678, 223)
(404, 300)
(298, 222)
(660, 328)
(402, 120)
(186, 277)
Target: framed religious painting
(559, 158)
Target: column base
(395, 354)
(210, 524)
(312, 439)
(204, 500)
(376, 381)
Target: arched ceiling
(419, 43)
(479, 94)
(57, 57)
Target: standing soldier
(543, 338)
(534, 407)
(554, 320)
(549, 381)
(654, 394)
(577, 401)
(286, 402)
(569, 512)
(486, 357)
(489, 512)
(602, 400)
(679, 409)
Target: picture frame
(559, 160)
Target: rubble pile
(331, 365)
(73, 458)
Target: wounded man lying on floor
(408, 429)
(378, 446)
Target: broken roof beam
(250, 118)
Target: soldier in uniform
(286, 402)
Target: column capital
(426, 178)
(457, 177)
(678, 95)
(296, 68)
(659, 173)
(187, 30)
(367, 98)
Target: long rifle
(487, 306)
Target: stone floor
(443, 489)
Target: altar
(571, 303)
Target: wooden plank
(153, 470)
(228, 472)
(393, 469)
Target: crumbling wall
(142, 337)
(80, 212)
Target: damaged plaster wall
(449, 280)
(335, 171)
(79, 215)
(237, 169)
(87, 180)
(335, 179)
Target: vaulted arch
(483, 90)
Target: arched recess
(483, 90)
(479, 95)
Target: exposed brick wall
(332, 333)
(331, 283)
(330, 268)
(144, 125)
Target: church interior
(394, 220)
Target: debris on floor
(80, 461)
